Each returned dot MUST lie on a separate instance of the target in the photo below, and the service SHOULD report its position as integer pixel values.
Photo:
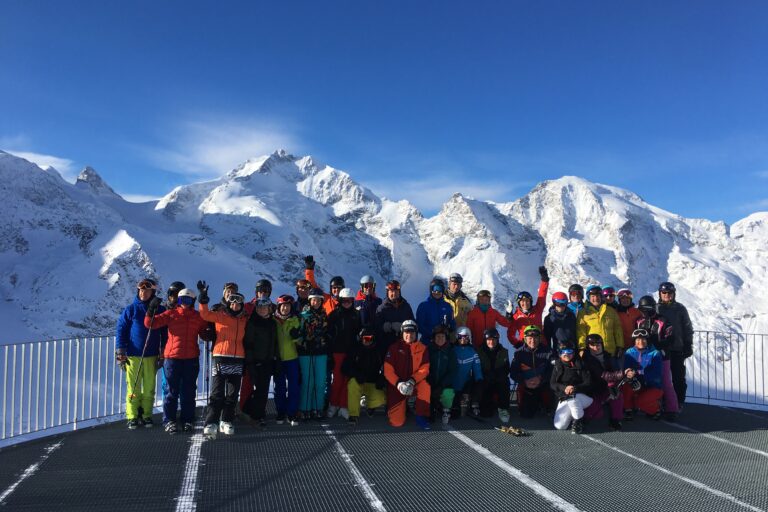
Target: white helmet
(409, 325)
(346, 293)
(464, 331)
(186, 292)
(366, 279)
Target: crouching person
(442, 371)
(570, 381)
(228, 359)
(494, 391)
(181, 362)
(469, 377)
(607, 381)
(647, 389)
(406, 367)
(531, 368)
(363, 367)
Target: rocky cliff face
(71, 254)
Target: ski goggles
(393, 285)
(462, 337)
(437, 289)
(566, 352)
(639, 333)
(186, 301)
(146, 285)
(235, 298)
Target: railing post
(77, 382)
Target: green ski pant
(145, 387)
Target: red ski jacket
(184, 326)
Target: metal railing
(52, 386)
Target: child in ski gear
(494, 388)
(660, 336)
(363, 367)
(606, 382)
(261, 358)
(303, 287)
(135, 340)
(443, 367)
(531, 368)
(181, 358)
(560, 323)
(601, 319)
(527, 313)
(459, 302)
(570, 381)
(287, 379)
(406, 368)
(227, 361)
(390, 315)
(575, 298)
(366, 301)
(681, 346)
(467, 384)
(645, 360)
(434, 311)
(343, 328)
(483, 316)
(313, 356)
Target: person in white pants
(570, 380)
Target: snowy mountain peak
(91, 181)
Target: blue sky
(415, 99)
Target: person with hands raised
(527, 313)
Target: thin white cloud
(65, 166)
(139, 198)
(208, 147)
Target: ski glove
(202, 289)
(309, 262)
(510, 307)
(121, 359)
(153, 305)
(636, 385)
(403, 388)
(544, 274)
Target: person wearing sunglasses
(681, 347)
(443, 367)
(609, 296)
(467, 384)
(363, 368)
(181, 358)
(330, 300)
(607, 380)
(228, 358)
(303, 287)
(459, 302)
(560, 322)
(628, 315)
(527, 313)
(482, 317)
(646, 361)
(434, 311)
(390, 315)
(134, 340)
(570, 382)
(599, 318)
(343, 329)
(366, 301)
(660, 336)
(313, 350)
(287, 379)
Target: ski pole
(143, 350)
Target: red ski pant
(338, 396)
(397, 403)
(647, 400)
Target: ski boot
(464, 405)
(446, 416)
(504, 415)
(226, 428)
(210, 431)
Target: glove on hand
(309, 262)
(153, 305)
(121, 358)
(636, 385)
(544, 274)
(202, 295)
(510, 307)
(405, 388)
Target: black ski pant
(260, 373)
(221, 403)
(677, 364)
(494, 394)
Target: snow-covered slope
(72, 253)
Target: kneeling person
(363, 367)
(494, 360)
(442, 370)
(406, 368)
(570, 381)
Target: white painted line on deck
(31, 470)
(715, 438)
(362, 483)
(187, 499)
(555, 500)
(745, 413)
(687, 480)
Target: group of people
(344, 351)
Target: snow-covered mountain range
(71, 254)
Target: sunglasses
(367, 285)
(393, 286)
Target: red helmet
(284, 299)
(559, 297)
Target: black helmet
(666, 286)
(575, 287)
(263, 285)
(524, 295)
(594, 338)
(646, 304)
(440, 329)
(436, 282)
(491, 333)
(337, 282)
(175, 288)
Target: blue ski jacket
(131, 332)
(468, 366)
(433, 312)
